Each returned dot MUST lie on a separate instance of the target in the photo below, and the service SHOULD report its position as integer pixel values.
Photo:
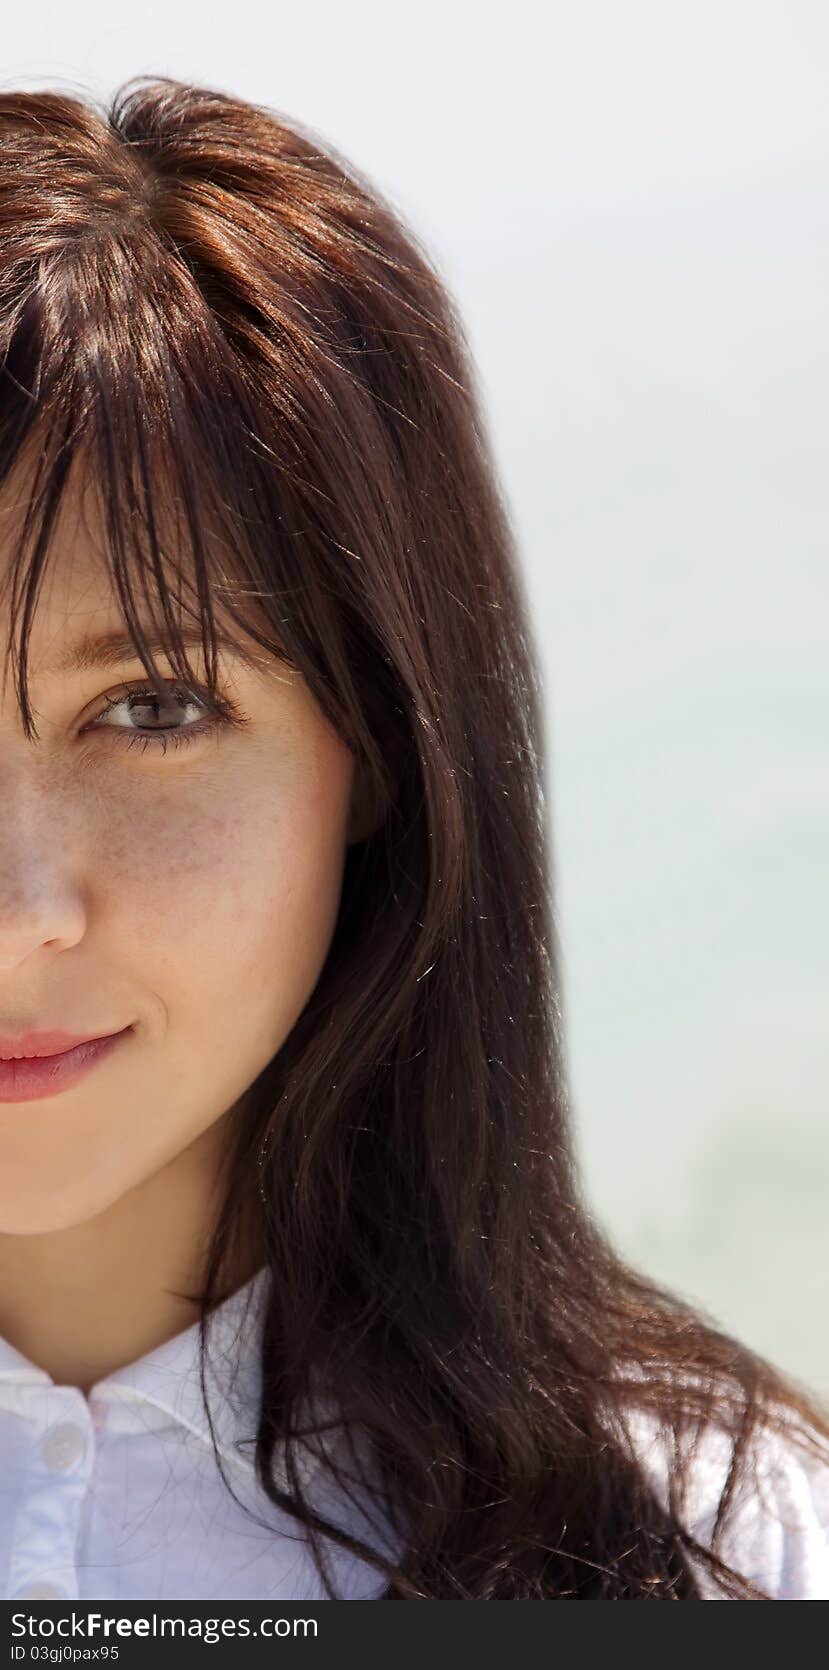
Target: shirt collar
(168, 1378)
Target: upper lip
(28, 1044)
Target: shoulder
(776, 1531)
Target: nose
(41, 902)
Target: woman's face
(188, 894)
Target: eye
(160, 719)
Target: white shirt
(118, 1497)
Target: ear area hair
(368, 804)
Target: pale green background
(631, 204)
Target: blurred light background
(628, 200)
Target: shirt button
(62, 1446)
(41, 1591)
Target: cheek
(233, 897)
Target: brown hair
(247, 344)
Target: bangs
(134, 409)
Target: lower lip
(32, 1078)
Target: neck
(83, 1301)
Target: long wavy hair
(262, 375)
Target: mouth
(38, 1065)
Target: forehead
(76, 584)
(77, 598)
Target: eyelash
(220, 712)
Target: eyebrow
(115, 649)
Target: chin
(39, 1210)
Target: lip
(55, 1042)
(31, 1077)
